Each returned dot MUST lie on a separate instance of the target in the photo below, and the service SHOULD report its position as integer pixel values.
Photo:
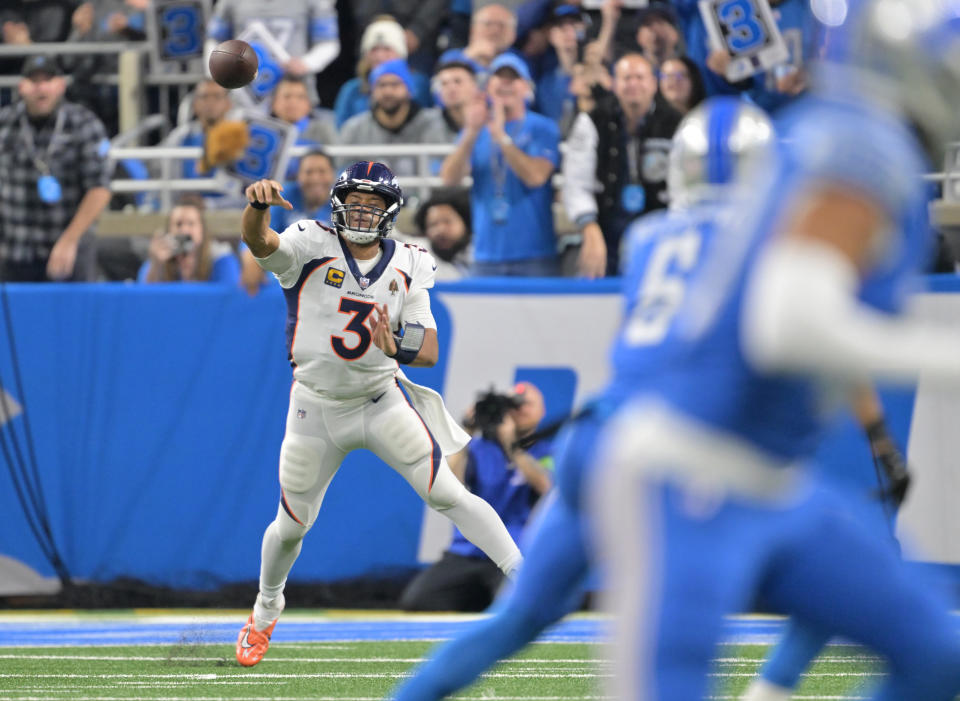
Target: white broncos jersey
(330, 304)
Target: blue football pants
(550, 584)
(692, 562)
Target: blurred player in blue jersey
(702, 498)
(801, 642)
(712, 144)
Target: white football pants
(320, 433)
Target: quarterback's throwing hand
(382, 334)
(267, 192)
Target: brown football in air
(233, 64)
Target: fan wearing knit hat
(383, 40)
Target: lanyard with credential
(48, 187)
(500, 205)
(633, 197)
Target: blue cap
(458, 58)
(513, 62)
(40, 63)
(565, 12)
(397, 67)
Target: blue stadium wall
(157, 412)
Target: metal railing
(166, 185)
(131, 76)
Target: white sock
(266, 611)
(762, 690)
(481, 525)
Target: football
(233, 64)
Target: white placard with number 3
(748, 32)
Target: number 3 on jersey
(662, 288)
(359, 312)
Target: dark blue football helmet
(369, 177)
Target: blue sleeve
(324, 29)
(343, 105)
(144, 271)
(226, 270)
(475, 152)
(545, 142)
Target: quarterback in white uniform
(357, 309)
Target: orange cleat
(252, 644)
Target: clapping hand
(476, 113)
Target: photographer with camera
(184, 252)
(510, 467)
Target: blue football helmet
(901, 55)
(349, 219)
(716, 144)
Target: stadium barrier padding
(156, 414)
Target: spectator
(445, 220)
(590, 73)
(511, 479)
(564, 31)
(420, 19)
(681, 84)
(96, 21)
(32, 21)
(211, 106)
(455, 86)
(185, 253)
(616, 162)
(383, 40)
(291, 103)
(307, 29)
(771, 89)
(455, 32)
(511, 154)
(310, 197)
(493, 31)
(658, 35)
(53, 161)
(27, 21)
(109, 20)
(393, 117)
(310, 194)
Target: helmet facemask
(362, 223)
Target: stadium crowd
(526, 91)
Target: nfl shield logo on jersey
(364, 282)
(301, 414)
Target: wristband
(259, 205)
(409, 343)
